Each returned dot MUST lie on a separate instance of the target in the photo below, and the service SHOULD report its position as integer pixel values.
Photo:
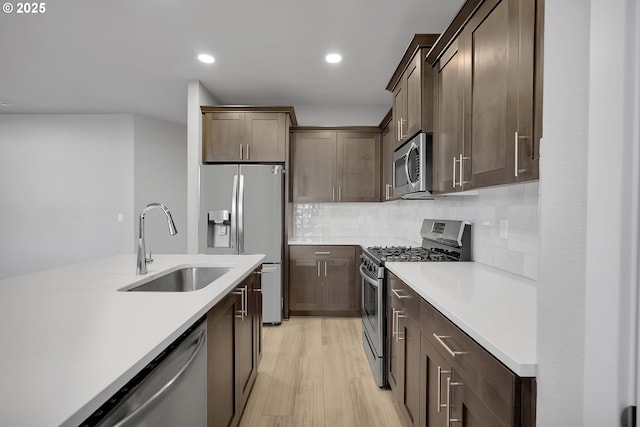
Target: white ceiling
(136, 56)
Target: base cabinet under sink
(234, 350)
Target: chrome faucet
(141, 266)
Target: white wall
(197, 95)
(563, 197)
(612, 211)
(160, 175)
(516, 204)
(63, 181)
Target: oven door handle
(367, 278)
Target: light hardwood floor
(314, 373)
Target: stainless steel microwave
(413, 168)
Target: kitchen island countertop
(70, 339)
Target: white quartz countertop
(354, 240)
(70, 339)
(495, 308)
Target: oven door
(373, 311)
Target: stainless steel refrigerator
(242, 212)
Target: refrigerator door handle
(234, 209)
(241, 215)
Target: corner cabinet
(234, 348)
(333, 165)
(484, 82)
(259, 134)
(322, 281)
(439, 376)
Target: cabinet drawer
(322, 252)
(403, 297)
(482, 373)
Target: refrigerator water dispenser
(219, 229)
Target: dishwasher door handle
(158, 394)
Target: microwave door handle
(406, 166)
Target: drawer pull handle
(453, 353)
(398, 295)
(322, 253)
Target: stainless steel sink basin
(183, 280)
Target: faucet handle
(149, 260)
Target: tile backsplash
(504, 230)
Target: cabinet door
(314, 166)
(394, 358)
(434, 371)
(305, 289)
(498, 92)
(358, 158)
(266, 136)
(413, 84)
(400, 111)
(388, 146)
(339, 285)
(223, 136)
(409, 368)
(448, 126)
(245, 363)
(221, 395)
(257, 320)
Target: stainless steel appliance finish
(442, 240)
(170, 391)
(413, 168)
(242, 212)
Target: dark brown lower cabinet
(323, 281)
(404, 349)
(234, 342)
(442, 377)
(221, 395)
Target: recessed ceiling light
(207, 59)
(333, 58)
(5, 104)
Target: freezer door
(216, 194)
(261, 209)
(271, 293)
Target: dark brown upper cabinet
(448, 120)
(486, 96)
(389, 143)
(253, 134)
(336, 165)
(412, 88)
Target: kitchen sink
(182, 280)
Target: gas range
(411, 254)
(442, 240)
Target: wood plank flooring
(314, 373)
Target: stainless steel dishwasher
(170, 391)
